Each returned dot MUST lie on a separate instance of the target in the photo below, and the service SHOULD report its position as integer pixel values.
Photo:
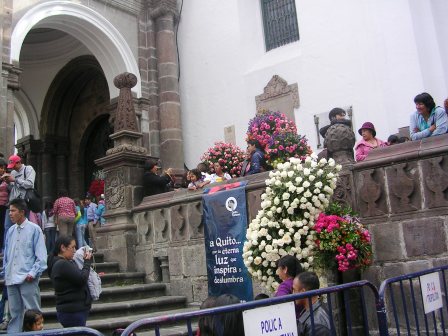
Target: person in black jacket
(336, 116)
(154, 184)
(73, 301)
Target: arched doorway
(74, 127)
(94, 145)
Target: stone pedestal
(123, 167)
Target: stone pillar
(123, 167)
(30, 151)
(62, 168)
(164, 13)
(10, 83)
(147, 62)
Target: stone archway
(76, 104)
(88, 26)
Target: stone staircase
(125, 298)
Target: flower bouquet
(228, 155)
(278, 137)
(296, 193)
(342, 241)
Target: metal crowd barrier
(158, 322)
(403, 298)
(63, 332)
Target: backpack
(32, 198)
(94, 281)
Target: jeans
(80, 235)
(77, 319)
(50, 239)
(22, 297)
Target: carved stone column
(123, 167)
(9, 84)
(164, 13)
(339, 142)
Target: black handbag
(32, 198)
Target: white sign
(431, 292)
(275, 320)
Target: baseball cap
(13, 159)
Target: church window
(280, 22)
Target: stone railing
(401, 193)
(170, 237)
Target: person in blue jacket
(429, 120)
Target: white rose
(306, 172)
(258, 260)
(322, 161)
(290, 210)
(292, 188)
(279, 210)
(338, 167)
(319, 172)
(278, 183)
(298, 179)
(286, 204)
(331, 162)
(311, 178)
(313, 164)
(319, 184)
(308, 159)
(268, 248)
(268, 237)
(306, 184)
(269, 213)
(286, 196)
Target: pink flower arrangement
(342, 242)
(231, 157)
(278, 137)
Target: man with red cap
(21, 178)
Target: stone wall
(401, 193)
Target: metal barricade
(403, 300)
(378, 311)
(63, 332)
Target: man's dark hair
(203, 167)
(19, 203)
(425, 99)
(403, 139)
(3, 162)
(255, 143)
(150, 164)
(392, 139)
(334, 112)
(309, 280)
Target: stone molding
(159, 8)
(12, 73)
(133, 7)
(278, 87)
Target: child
(195, 180)
(33, 320)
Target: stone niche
(279, 96)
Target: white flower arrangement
(296, 193)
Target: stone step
(116, 293)
(108, 325)
(118, 310)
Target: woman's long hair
(292, 264)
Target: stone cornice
(12, 73)
(134, 7)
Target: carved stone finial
(339, 141)
(125, 118)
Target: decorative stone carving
(339, 142)
(114, 189)
(125, 118)
(158, 8)
(403, 191)
(144, 222)
(178, 223)
(279, 96)
(344, 189)
(371, 201)
(254, 202)
(196, 226)
(161, 225)
(435, 175)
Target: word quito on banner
(224, 229)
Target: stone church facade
(58, 100)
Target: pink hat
(13, 159)
(367, 125)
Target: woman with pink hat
(368, 141)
